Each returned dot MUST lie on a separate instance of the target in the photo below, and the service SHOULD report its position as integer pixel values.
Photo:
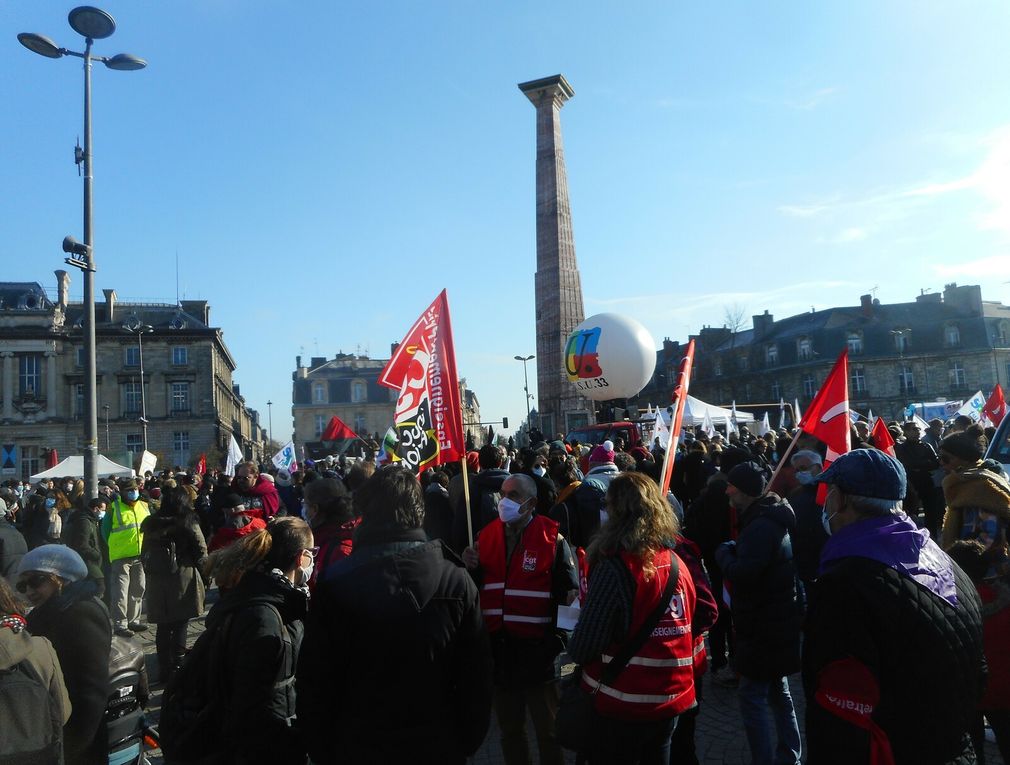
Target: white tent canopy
(695, 409)
(73, 467)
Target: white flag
(797, 413)
(973, 407)
(782, 412)
(765, 426)
(285, 458)
(707, 425)
(870, 418)
(730, 427)
(235, 456)
(661, 431)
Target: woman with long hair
(264, 577)
(34, 723)
(632, 562)
(173, 552)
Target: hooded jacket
(766, 606)
(179, 596)
(16, 647)
(262, 500)
(975, 488)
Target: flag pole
(785, 457)
(466, 497)
(679, 401)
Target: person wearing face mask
(408, 617)
(37, 520)
(264, 578)
(809, 536)
(328, 510)
(82, 534)
(525, 569)
(485, 491)
(121, 528)
(893, 660)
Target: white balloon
(609, 356)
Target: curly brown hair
(640, 521)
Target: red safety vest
(516, 594)
(658, 682)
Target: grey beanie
(54, 559)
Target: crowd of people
(367, 614)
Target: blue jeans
(756, 697)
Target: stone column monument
(558, 288)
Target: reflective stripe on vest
(658, 681)
(125, 539)
(516, 594)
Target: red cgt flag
(882, 438)
(337, 430)
(428, 419)
(995, 407)
(827, 417)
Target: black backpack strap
(632, 646)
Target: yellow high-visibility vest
(125, 538)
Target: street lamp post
(526, 385)
(270, 423)
(92, 24)
(108, 441)
(140, 330)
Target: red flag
(679, 400)
(881, 437)
(827, 417)
(201, 465)
(428, 418)
(337, 430)
(995, 407)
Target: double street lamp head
(92, 24)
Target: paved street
(719, 736)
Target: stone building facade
(191, 401)
(940, 346)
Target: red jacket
(262, 500)
(658, 681)
(516, 594)
(706, 609)
(225, 535)
(996, 639)
(335, 541)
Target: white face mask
(805, 477)
(509, 510)
(540, 471)
(305, 572)
(101, 514)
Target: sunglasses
(34, 582)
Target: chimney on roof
(392, 349)
(866, 303)
(110, 304)
(763, 323)
(62, 288)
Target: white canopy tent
(73, 467)
(695, 409)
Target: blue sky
(323, 169)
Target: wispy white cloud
(992, 267)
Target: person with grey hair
(12, 543)
(398, 619)
(525, 569)
(809, 536)
(893, 660)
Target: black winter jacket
(396, 665)
(263, 640)
(485, 490)
(81, 533)
(925, 654)
(766, 608)
(12, 548)
(77, 623)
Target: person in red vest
(525, 569)
(631, 561)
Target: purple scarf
(895, 541)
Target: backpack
(159, 556)
(28, 737)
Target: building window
(30, 463)
(743, 363)
(857, 380)
(854, 342)
(180, 355)
(131, 398)
(900, 340)
(134, 443)
(30, 374)
(952, 335)
(78, 391)
(957, 375)
(771, 354)
(360, 424)
(906, 380)
(180, 447)
(359, 392)
(804, 349)
(131, 356)
(717, 367)
(180, 397)
(319, 393)
(79, 356)
(320, 424)
(809, 386)
(777, 391)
